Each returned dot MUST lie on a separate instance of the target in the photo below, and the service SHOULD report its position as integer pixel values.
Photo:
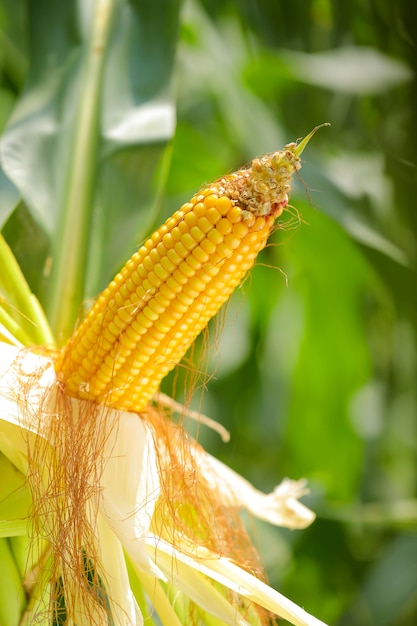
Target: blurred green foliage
(314, 374)
(314, 369)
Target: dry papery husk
(74, 441)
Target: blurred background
(315, 364)
(312, 366)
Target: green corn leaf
(89, 136)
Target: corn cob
(143, 323)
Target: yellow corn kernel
(167, 264)
(161, 274)
(208, 246)
(201, 256)
(190, 219)
(186, 269)
(173, 256)
(143, 323)
(215, 236)
(234, 215)
(213, 215)
(180, 249)
(196, 233)
(188, 241)
(193, 262)
(224, 226)
(224, 205)
(211, 201)
(199, 210)
(204, 224)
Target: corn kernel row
(143, 323)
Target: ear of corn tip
(143, 323)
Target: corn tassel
(143, 323)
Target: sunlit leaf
(353, 70)
(132, 120)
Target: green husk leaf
(12, 596)
(20, 311)
(15, 500)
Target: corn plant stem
(23, 306)
(71, 245)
